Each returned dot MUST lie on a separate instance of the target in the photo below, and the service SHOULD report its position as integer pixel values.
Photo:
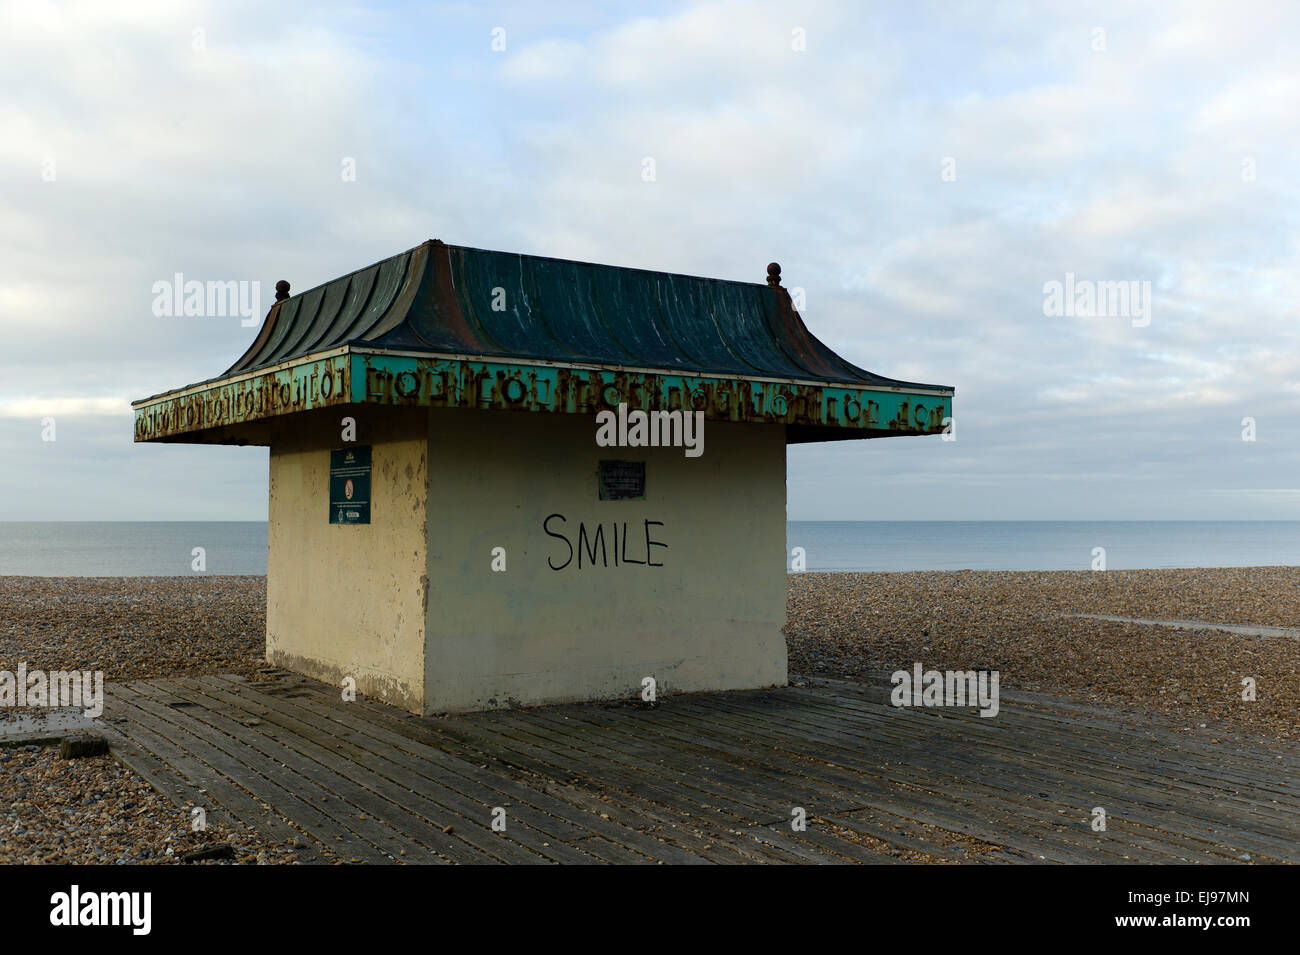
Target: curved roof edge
(443, 298)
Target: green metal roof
(455, 300)
(449, 326)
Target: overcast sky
(922, 171)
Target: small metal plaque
(622, 480)
(350, 486)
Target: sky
(923, 171)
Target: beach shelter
(501, 479)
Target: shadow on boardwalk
(708, 778)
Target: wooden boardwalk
(707, 778)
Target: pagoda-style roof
(446, 325)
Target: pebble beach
(1021, 624)
(95, 810)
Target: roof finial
(774, 275)
(281, 290)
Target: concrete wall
(710, 618)
(410, 607)
(350, 600)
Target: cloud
(223, 163)
(55, 407)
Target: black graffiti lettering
(627, 559)
(591, 550)
(546, 528)
(649, 542)
(591, 541)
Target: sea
(164, 548)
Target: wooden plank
(745, 791)
(1130, 789)
(1236, 763)
(405, 735)
(408, 791)
(1129, 782)
(952, 788)
(568, 758)
(780, 801)
(673, 806)
(840, 784)
(659, 801)
(212, 789)
(218, 751)
(712, 778)
(850, 751)
(350, 792)
(443, 737)
(719, 790)
(840, 851)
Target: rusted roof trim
(449, 356)
(209, 383)
(811, 410)
(637, 369)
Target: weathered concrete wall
(710, 618)
(350, 600)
